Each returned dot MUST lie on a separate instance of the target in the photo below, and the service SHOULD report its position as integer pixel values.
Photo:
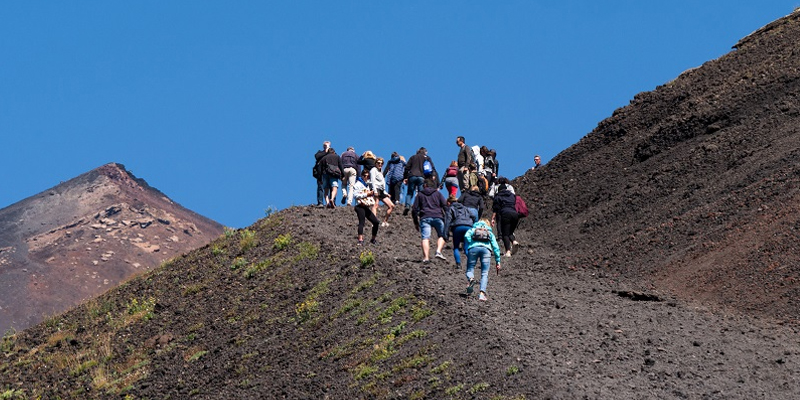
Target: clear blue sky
(221, 105)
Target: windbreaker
(491, 244)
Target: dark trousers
(320, 193)
(365, 213)
(394, 191)
(507, 224)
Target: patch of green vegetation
(420, 312)
(216, 250)
(85, 366)
(348, 306)
(478, 387)
(363, 371)
(453, 390)
(418, 395)
(413, 362)
(417, 334)
(386, 316)
(512, 370)
(305, 311)
(9, 338)
(441, 367)
(193, 289)
(196, 327)
(269, 211)
(229, 232)
(247, 240)
(282, 241)
(238, 262)
(366, 258)
(257, 267)
(197, 355)
(306, 251)
(10, 394)
(141, 309)
(366, 284)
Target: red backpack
(521, 207)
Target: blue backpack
(427, 168)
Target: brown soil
(657, 262)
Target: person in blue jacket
(481, 243)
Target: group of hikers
(367, 180)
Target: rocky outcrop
(85, 236)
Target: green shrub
(238, 263)
(282, 241)
(367, 258)
(247, 240)
(512, 370)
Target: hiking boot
(440, 255)
(471, 286)
(482, 297)
(360, 242)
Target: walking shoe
(426, 261)
(482, 297)
(508, 253)
(344, 200)
(471, 286)
(360, 242)
(458, 266)
(515, 243)
(440, 255)
(374, 242)
(405, 211)
(384, 224)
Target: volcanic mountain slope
(657, 254)
(695, 185)
(84, 236)
(292, 308)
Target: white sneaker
(440, 255)
(384, 224)
(515, 243)
(508, 253)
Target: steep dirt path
(552, 332)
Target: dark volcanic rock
(84, 236)
(695, 185)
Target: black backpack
(333, 170)
(482, 234)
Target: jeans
(486, 258)
(425, 225)
(451, 183)
(329, 181)
(458, 238)
(414, 185)
(474, 213)
(320, 192)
